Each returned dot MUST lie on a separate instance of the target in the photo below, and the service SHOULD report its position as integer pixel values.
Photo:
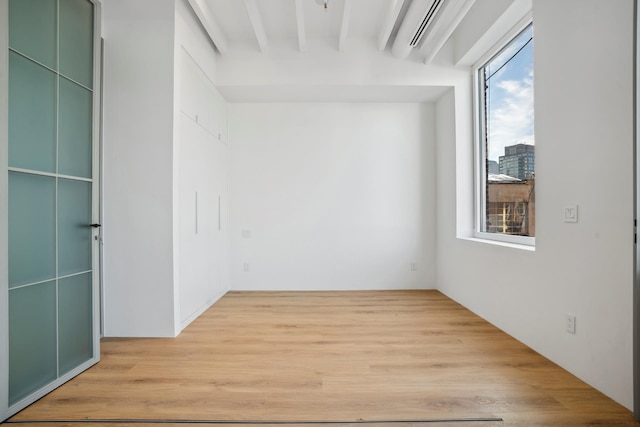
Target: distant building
(494, 168)
(519, 161)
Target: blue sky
(510, 96)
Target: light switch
(570, 213)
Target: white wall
(335, 196)
(584, 126)
(138, 167)
(147, 45)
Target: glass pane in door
(32, 339)
(76, 40)
(33, 29)
(32, 228)
(74, 321)
(74, 231)
(32, 115)
(74, 130)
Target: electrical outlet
(246, 267)
(414, 266)
(571, 323)
(570, 213)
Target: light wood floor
(401, 358)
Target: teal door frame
(7, 410)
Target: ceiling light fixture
(324, 4)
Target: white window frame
(479, 146)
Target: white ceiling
(280, 21)
(266, 24)
(288, 41)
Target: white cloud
(511, 118)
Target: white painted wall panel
(335, 196)
(202, 177)
(138, 168)
(197, 213)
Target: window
(505, 144)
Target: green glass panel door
(51, 295)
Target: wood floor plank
(333, 356)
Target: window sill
(499, 243)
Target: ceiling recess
(425, 22)
(420, 16)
